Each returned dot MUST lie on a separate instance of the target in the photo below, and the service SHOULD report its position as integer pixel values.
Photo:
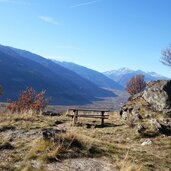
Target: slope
(95, 77)
(64, 86)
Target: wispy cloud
(84, 4)
(49, 20)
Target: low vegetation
(29, 100)
(115, 146)
(136, 84)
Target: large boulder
(149, 111)
(158, 95)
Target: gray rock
(161, 128)
(140, 129)
(147, 142)
(125, 115)
(158, 94)
(155, 124)
(51, 113)
(50, 133)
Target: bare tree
(136, 84)
(166, 56)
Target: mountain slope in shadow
(94, 76)
(20, 69)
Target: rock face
(150, 110)
(158, 95)
(133, 108)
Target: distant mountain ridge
(67, 83)
(124, 70)
(20, 69)
(95, 77)
(123, 75)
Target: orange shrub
(29, 100)
(136, 84)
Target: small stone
(147, 142)
(93, 126)
(51, 113)
(124, 115)
(47, 134)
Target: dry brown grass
(114, 140)
(128, 165)
(117, 138)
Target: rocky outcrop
(158, 95)
(134, 108)
(151, 107)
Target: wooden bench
(75, 114)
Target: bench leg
(102, 118)
(75, 118)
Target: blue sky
(99, 34)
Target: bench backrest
(87, 110)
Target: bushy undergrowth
(29, 100)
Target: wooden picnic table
(76, 114)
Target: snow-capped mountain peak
(123, 75)
(123, 70)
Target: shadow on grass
(107, 125)
(94, 125)
(150, 135)
(6, 128)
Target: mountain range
(117, 79)
(95, 77)
(67, 83)
(123, 75)
(20, 69)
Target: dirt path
(82, 164)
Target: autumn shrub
(29, 100)
(136, 84)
